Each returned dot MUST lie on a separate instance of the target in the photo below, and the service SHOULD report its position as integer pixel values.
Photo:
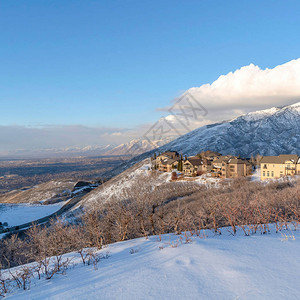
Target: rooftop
(280, 159)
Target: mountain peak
(271, 131)
(136, 147)
(296, 106)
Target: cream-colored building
(166, 161)
(168, 154)
(192, 166)
(167, 165)
(272, 167)
(216, 170)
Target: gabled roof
(280, 159)
(238, 161)
(168, 161)
(222, 158)
(170, 153)
(194, 160)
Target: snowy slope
(116, 187)
(268, 132)
(213, 267)
(137, 178)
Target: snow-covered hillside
(118, 186)
(205, 267)
(141, 178)
(268, 132)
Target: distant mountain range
(268, 132)
(132, 148)
(136, 147)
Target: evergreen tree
(180, 164)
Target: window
(268, 174)
(264, 173)
(272, 173)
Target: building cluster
(273, 167)
(211, 163)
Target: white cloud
(247, 89)
(251, 88)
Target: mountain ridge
(136, 147)
(271, 131)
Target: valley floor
(207, 267)
(17, 214)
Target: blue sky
(113, 63)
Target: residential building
(168, 154)
(167, 165)
(209, 155)
(272, 167)
(193, 166)
(216, 170)
(166, 161)
(235, 167)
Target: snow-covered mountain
(268, 132)
(136, 147)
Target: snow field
(17, 214)
(207, 267)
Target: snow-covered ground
(256, 175)
(123, 182)
(17, 214)
(142, 175)
(207, 267)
